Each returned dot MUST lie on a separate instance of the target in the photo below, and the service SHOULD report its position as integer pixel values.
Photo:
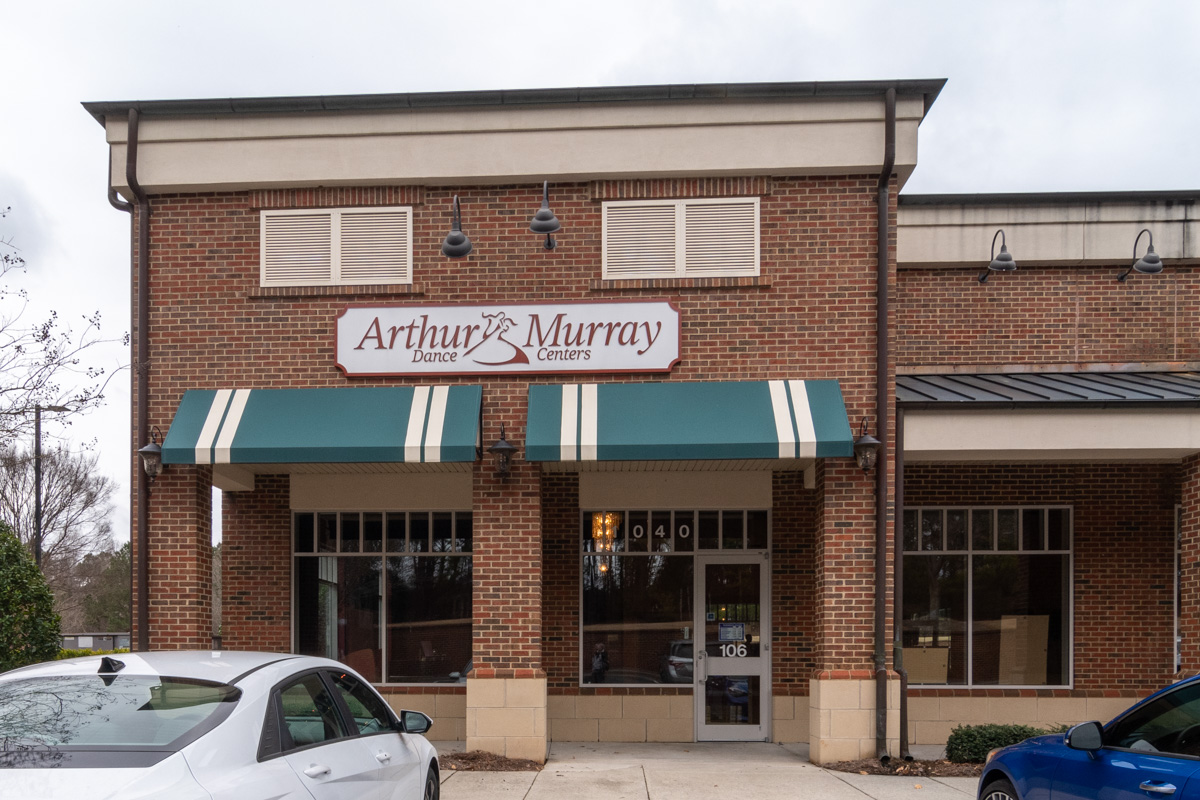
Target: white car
(214, 725)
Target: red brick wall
(256, 563)
(1189, 562)
(810, 315)
(180, 514)
(1123, 557)
(1047, 316)
(794, 570)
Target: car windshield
(107, 711)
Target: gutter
(881, 419)
(141, 374)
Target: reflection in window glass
(346, 599)
(710, 530)
(998, 615)
(732, 531)
(339, 601)
(956, 529)
(635, 609)
(981, 530)
(931, 530)
(1006, 529)
(429, 617)
(935, 618)
(327, 533)
(1020, 620)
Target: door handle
(317, 770)
(1157, 787)
(383, 757)
(702, 665)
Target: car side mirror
(1085, 736)
(414, 722)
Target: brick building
(682, 545)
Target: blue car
(1150, 751)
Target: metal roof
(1040, 389)
(519, 97)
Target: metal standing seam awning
(412, 424)
(779, 420)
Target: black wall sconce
(544, 220)
(152, 455)
(457, 245)
(1000, 263)
(503, 450)
(866, 448)
(1149, 264)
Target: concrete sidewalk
(746, 771)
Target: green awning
(776, 420)
(416, 424)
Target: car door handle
(383, 757)
(1157, 787)
(320, 769)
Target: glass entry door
(732, 658)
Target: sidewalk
(754, 771)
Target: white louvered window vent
(335, 247)
(681, 238)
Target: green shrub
(29, 628)
(971, 743)
(86, 652)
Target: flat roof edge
(1050, 198)
(929, 89)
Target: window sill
(301, 292)
(749, 282)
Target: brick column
(256, 569)
(842, 688)
(506, 690)
(1189, 567)
(180, 560)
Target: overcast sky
(1041, 96)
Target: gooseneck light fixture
(866, 448)
(457, 245)
(544, 220)
(1000, 263)
(152, 455)
(1149, 264)
(503, 451)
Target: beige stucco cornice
(495, 138)
(1047, 230)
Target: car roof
(224, 666)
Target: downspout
(898, 588)
(881, 417)
(116, 202)
(142, 376)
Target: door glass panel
(733, 634)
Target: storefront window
(987, 596)
(397, 615)
(638, 584)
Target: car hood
(168, 778)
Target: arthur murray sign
(481, 340)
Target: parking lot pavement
(754, 771)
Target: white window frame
(334, 277)
(681, 268)
(970, 552)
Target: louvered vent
(336, 247)
(639, 241)
(375, 248)
(721, 239)
(297, 249)
(678, 238)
